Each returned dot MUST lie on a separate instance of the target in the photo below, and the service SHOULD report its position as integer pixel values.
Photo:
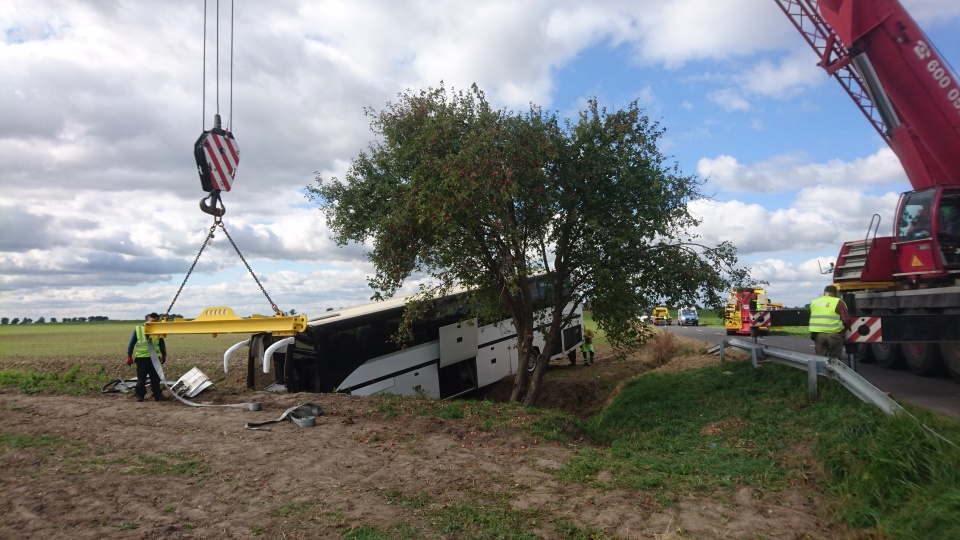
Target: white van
(688, 316)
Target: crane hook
(212, 208)
(217, 156)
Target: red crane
(911, 96)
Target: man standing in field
(139, 350)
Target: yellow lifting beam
(222, 320)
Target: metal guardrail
(816, 366)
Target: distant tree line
(42, 320)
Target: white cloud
(102, 101)
(729, 99)
(795, 171)
(782, 78)
(820, 218)
(677, 32)
(794, 284)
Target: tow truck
(742, 306)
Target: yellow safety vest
(823, 315)
(142, 349)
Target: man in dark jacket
(139, 351)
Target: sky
(101, 102)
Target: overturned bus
(350, 350)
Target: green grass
(79, 358)
(75, 380)
(702, 431)
(31, 441)
(79, 341)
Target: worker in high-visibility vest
(828, 320)
(139, 351)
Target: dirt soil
(106, 466)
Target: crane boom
(892, 72)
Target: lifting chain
(217, 222)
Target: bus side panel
(497, 352)
(392, 364)
(493, 362)
(424, 379)
(458, 342)
(572, 336)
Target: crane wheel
(950, 353)
(922, 358)
(887, 355)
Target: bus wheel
(532, 358)
(887, 355)
(922, 358)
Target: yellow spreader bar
(222, 320)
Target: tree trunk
(533, 390)
(521, 311)
(520, 382)
(543, 362)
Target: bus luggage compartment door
(458, 342)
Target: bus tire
(532, 359)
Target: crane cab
(925, 246)
(927, 234)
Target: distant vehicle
(687, 316)
(741, 304)
(661, 316)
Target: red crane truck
(910, 281)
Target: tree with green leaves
(469, 196)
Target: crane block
(223, 320)
(217, 156)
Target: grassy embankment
(707, 431)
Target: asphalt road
(940, 394)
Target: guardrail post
(723, 345)
(812, 379)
